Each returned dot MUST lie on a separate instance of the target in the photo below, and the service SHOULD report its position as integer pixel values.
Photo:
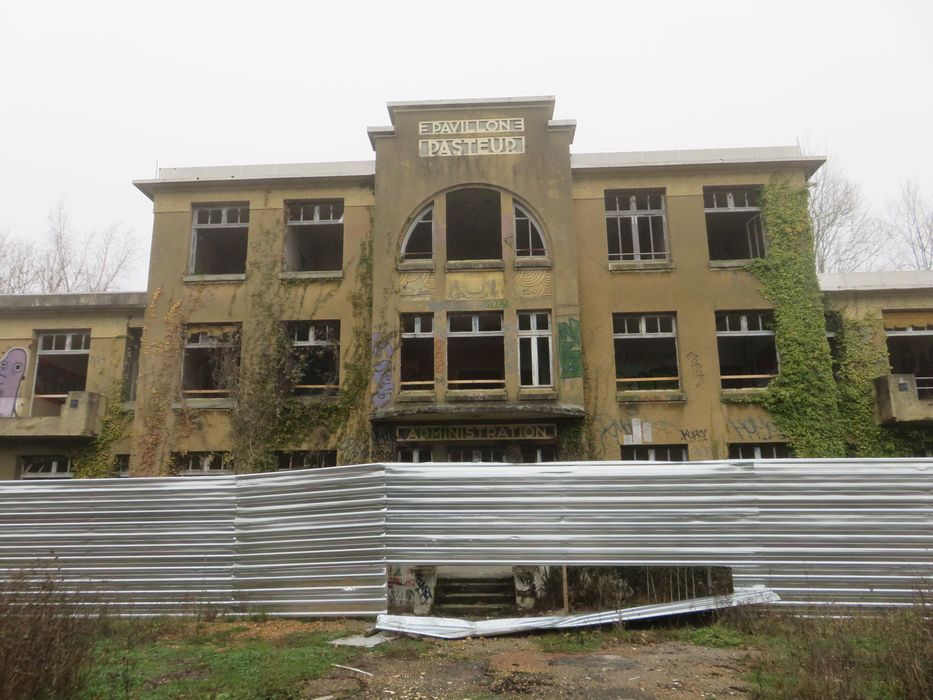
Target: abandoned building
(476, 293)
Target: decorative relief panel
(475, 285)
(417, 285)
(533, 284)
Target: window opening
(534, 348)
(747, 354)
(121, 464)
(306, 459)
(474, 224)
(645, 352)
(419, 241)
(910, 351)
(417, 352)
(475, 351)
(537, 455)
(200, 463)
(210, 362)
(315, 356)
(734, 229)
(314, 236)
(61, 366)
(415, 454)
(45, 467)
(529, 242)
(654, 453)
(476, 454)
(636, 226)
(763, 450)
(134, 337)
(220, 240)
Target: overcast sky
(94, 93)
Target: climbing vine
(803, 398)
(96, 459)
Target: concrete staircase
(474, 597)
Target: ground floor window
(415, 454)
(45, 467)
(654, 453)
(476, 454)
(537, 454)
(760, 450)
(306, 459)
(201, 463)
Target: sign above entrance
(481, 144)
(450, 433)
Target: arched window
(474, 224)
(528, 239)
(419, 243)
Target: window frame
(744, 332)
(475, 332)
(532, 334)
(294, 226)
(427, 211)
(331, 340)
(66, 473)
(623, 383)
(757, 249)
(756, 449)
(179, 457)
(324, 459)
(418, 334)
(68, 350)
(652, 452)
(225, 209)
(230, 338)
(520, 213)
(634, 214)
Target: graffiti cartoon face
(12, 369)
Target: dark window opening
(911, 352)
(734, 227)
(654, 453)
(306, 459)
(121, 465)
(315, 358)
(415, 454)
(537, 455)
(61, 366)
(747, 354)
(220, 240)
(134, 337)
(199, 463)
(476, 454)
(419, 243)
(528, 239)
(645, 352)
(417, 352)
(474, 224)
(44, 467)
(314, 236)
(475, 351)
(635, 226)
(761, 450)
(210, 363)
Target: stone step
(458, 585)
(507, 598)
(466, 610)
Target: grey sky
(93, 93)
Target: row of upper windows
(636, 230)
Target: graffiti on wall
(570, 348)
(755, 429)
(383, 350)
(12, 369)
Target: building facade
(475, 293)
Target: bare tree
(910, 229)
(65, 261)
(845, 235)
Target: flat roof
(89, 301)
(787, 155)
(875, 281)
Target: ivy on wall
(96, 459)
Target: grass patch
(717, 635)
(580, 641)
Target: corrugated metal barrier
(317, 542)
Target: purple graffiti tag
(12, 369)
(382, 371)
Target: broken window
(314, 236)
(44, 467)
(734, 229)
(476, 454)
(415, 454)
(654, 453)
(534, 348)
(475, 351)
(474, 224)
(761, 450)
(417, 352)
(747, 354)
(211, 361)
(538, 455)
(134, 337)
(910, 348)
(529, 242)
(220, 237)
(201, 463)
(635, 226)
(61, 366)
(121, 465)
(307, 459)
(315, 356)
(645, 352)
(419, 241)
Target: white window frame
(631, 383)
(475, 332)
(924, 384)
(653, 451)
(736, 199)
(757, 329)
(56, 473)
(318, 456)
(633, 214)
(225, 210)
(425, 216)
(521, 214)
(418, 332)
(757, 447)
(69, 349)
(222, 339)
(314, 341)
(205, 467)
(419, 454)
(478, 452)
(533, 333)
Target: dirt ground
(506, 667)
